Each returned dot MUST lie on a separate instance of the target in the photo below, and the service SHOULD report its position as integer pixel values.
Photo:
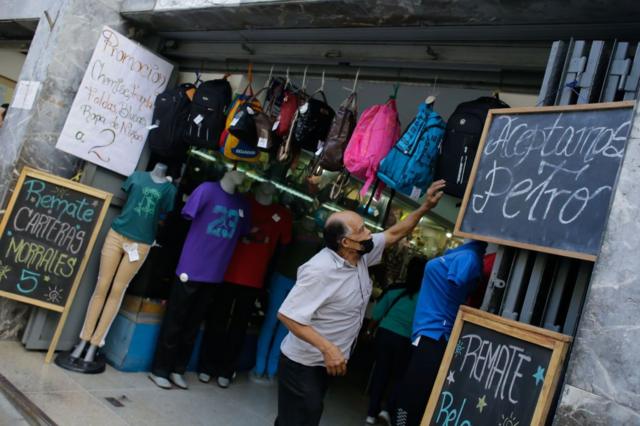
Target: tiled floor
(76, 399)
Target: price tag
(235, 121)
(304, 108)
(153, 126)
(263, 142)
(241, 213)
(320, 149)
(132, 251)
(275, 125)
(415, 193)
(275, 218)
(250, 111)
(198, 119)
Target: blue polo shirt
(447, 283)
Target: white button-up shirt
(331, 296)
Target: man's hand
(404, 228)
(434, 194)
(334, 360)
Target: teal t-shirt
(145, 202)
(400, 318)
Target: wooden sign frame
(476, 164)
(558, 343)
(78, 187)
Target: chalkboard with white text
(495, 373)
(544, 177)
(50, 225)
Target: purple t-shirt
(218, 220)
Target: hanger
(321, 89)
(198, 79)
(250, 73)
(394, 94)
(268, 81)
(355, 83)
(304, 79)
(287, 80)
(431, 99)
(496, 94)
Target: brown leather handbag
(339, 134)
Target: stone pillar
(57, 58)
(602, 386)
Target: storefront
(378, 55)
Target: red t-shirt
(271, 225)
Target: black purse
(243, 125)
(313, 122)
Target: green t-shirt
(145, 202)
(400, 318)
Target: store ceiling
(471, 43)
(207, 15)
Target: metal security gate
(536, 288)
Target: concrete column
(58, 56)
(603, 381)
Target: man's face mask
(365, 246)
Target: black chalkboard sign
(49, 227)
(544, 177)
(496, 372)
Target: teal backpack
(410, 165)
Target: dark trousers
(225, 329)
(301, 392)
(393, 353)
(185, 312)
(418, 381)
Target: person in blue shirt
(448, 281)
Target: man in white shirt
(325, 309)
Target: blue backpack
(410, 165)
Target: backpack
(232, 147)
(312, 125)
(339, 134)
(170, 112)
(373, 137)
(460, 143)
(206, 115)
(410, 166)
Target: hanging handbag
(243, 125)
(312, 125)
(332, 154)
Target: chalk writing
(492, 375)
(547, 178)
(45, 237)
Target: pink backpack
(376, 132)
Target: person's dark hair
(333, 233)
(5, 107)
(415, 272)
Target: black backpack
(207, 114)
(170, 113)
(460, 143)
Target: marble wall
(602, 386)
(57, 58)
